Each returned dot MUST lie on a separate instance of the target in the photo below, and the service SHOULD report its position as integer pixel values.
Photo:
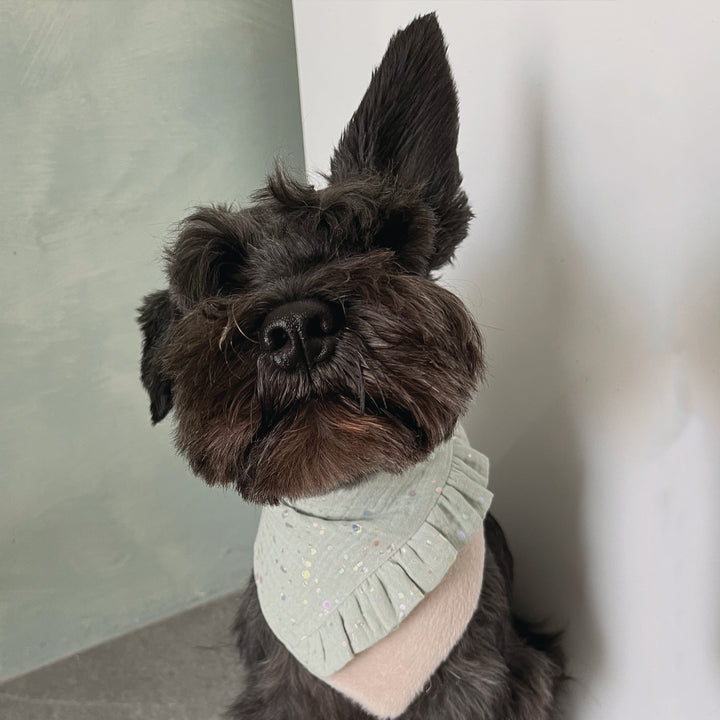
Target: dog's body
(305, 348)
(498, 671)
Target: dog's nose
(302, 332)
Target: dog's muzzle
(301, 333)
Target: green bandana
(338, 572)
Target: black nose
(302, 332)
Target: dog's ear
(406, 128)
(155, 317)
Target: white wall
(590, 145)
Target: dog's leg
(277, 687)
(500, 669)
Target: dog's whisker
(382, 397)
(227, 361)
(223, 336)
(361, 389)
(239, 329)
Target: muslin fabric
(336, 573)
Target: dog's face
(302, 341)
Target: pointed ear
(406, 129)
(155, 318)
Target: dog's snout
(302, 332)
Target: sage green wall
(116, 118)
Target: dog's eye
(217, 270)
(409, 233)
(209, 254)
(227, 278)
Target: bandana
(338, 572)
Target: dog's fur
(401, 359)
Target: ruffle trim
(379, 603)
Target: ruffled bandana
(338, 572)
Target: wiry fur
(405, 359)
(500, 669)
(238, 416)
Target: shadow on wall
(697, 330)
(539, 477)
(602, 400)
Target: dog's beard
(393, 390)
(299, 442)
(321, 445)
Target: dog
(312, 362)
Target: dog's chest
(337, 573)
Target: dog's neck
(337, 572)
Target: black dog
(304, 346)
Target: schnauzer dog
(310, 358)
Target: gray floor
(183, 668)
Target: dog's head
(302, 341)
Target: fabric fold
(337, 573)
